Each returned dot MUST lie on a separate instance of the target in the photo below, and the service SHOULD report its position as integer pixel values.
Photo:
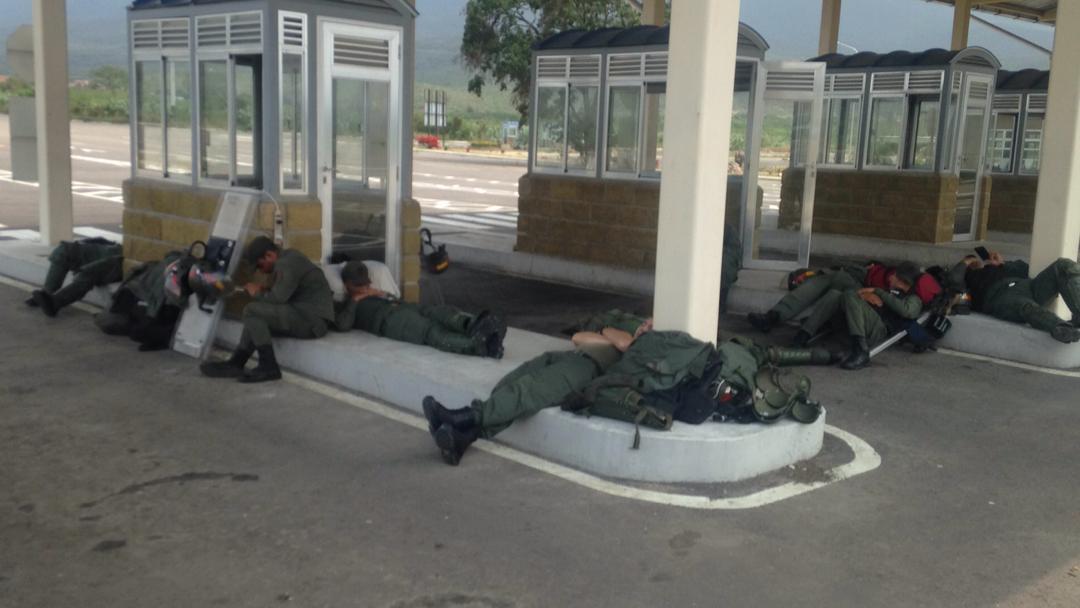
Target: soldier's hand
(253, 289)
(996, 259)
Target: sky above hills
(97, 31)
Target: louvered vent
(361, 52)
(789, 81)
(624, 66)
(585, 67)
(980, 90)
(1007, 103)
(925, 81)
(293, 29)
(888, 81)
(846, 83)
(233, 30)
(172, 34)
(956, 81)
(656, 65)
(1036, 103)
(552, 67)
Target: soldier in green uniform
(1004, 290)
(873, 314)
(94, 262)
(445, 328)
(298, 304)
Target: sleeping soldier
(94, 262)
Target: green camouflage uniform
(442, 327)
(824, 289)
(876, 324)
(93, 264)
(1023, 300)
(299, 304)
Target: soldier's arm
(1017, 268)
(345, 315)
(286, 281)
(908, 306)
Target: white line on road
(95, 191)
(102, 161)
(26, 234)
(492, 182)
(434, 219)
(1025, 366)
(480, 220)
(456, 188)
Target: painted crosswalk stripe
(446, 222)
(506, 217)
(480, 220)
(91, 232)
(26, 234)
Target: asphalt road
(459, 195)
(147, 485)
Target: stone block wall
(905, 206)
(607, 222)
(1012, 203)
(410, 251)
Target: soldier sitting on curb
(1005, 291)
(95, 262)
(298, 304)
(445, 328)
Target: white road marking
(866, 458)
(27, 234)
(480, 220)
(95, 191)
(509, 217)
(457, 188)
(492, 182)
(1025, 366)
(102, 161)
(21, 235)
(434, 219)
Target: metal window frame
(230, 94)
(283, 50)
(824, 161)
(624, 83)
(1023, 131)
(567, 82)
(535, 131)
(868, 133)
(1012, 147)
(970, 79)
(161, 55)
(911, 139)
(642, 172)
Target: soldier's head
(905, 277)
(262, 253)
(355, 276)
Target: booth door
(782, 169)
(360, 142)
(971, 155)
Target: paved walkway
(131, 481)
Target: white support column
(1056, 233)
(961, 24)
(53, 122)
(701, 73)
(830, 26)
(653, 12)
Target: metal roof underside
(1023, 80)
(907, 59)
(642, 35)
(399, 5)
(1044, 11)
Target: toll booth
(903, 146)
(596, 148)
(1015, 151)
(304, 102)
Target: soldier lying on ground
(547, 380)
(1004, 290)
(298, 304)
(825, 288)
(141, 309)
(445, 328)
(873, 314)
(95, 262)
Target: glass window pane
(581, 128)
(247, 119)
(359, 143)
(550, 127)
(148, 104)
(293, 117)
(178, 115)
(1032, 153)
(652, 159)
(924, 147)
(214, 119)
(1002, 137)
(842, 132)
(622, 137)
(886, 122)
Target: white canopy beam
(53, 122)
(830, 26)
(961, 24)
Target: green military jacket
(368, 315)
(301, 284)
(147, 282)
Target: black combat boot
(489, 330)
(437, 415)
(231, 368)
(453, 442)
(31, 302)
(860, 354)
(764, 322)
(1066, 333)
(45, 302)
(801, 339)
(266, 370)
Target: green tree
(109, 78)
(499, 35)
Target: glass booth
(596, 149)
(302, 101)
(1015, 148)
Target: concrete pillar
(693, 188)
(1056, 233)
(53, 122)
(961, 24)
(830, 26)
(653, 12)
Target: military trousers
(863, 321)
(262, 320)
(815, 289)
(442, 327)
(1025, 300)
(535, 385)
(93, 266)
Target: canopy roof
(1023, 80)
(401, 6)
(1032, 10)
(903, 59)
(641, 35)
